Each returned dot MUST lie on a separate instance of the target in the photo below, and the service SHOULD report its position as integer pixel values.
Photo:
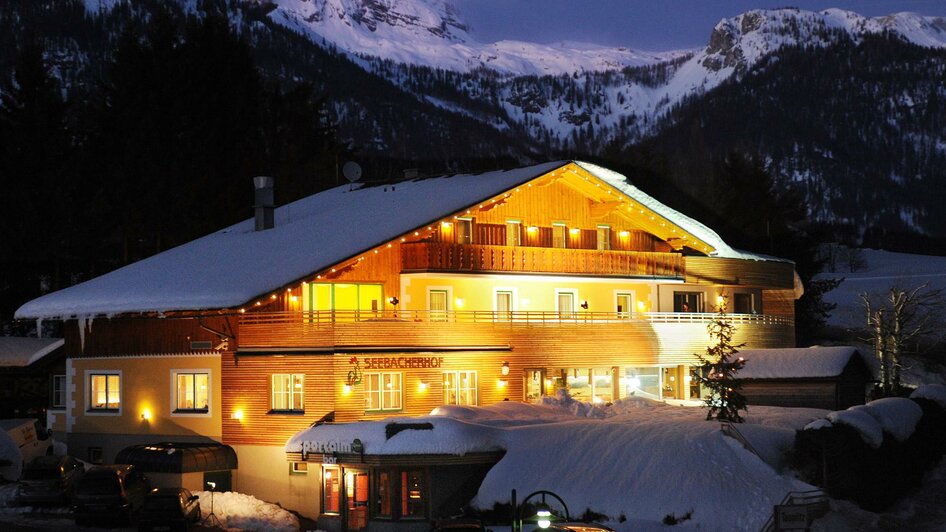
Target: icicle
(39, 327)
(80, 321)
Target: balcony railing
(481, 258)
(325, 328)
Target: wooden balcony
(440, 256)
(421, 328)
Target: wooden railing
(326, 328)
(480, 258)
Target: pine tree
(718, 368)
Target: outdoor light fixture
(584, 304)
(237, 415)
(544, 517)
(393, 300)
(505, 368)
(146, 415)
(346, 389)
(422, 386)
(502, 383)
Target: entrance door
(533, 384)
(356, 499)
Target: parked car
(109, 492)
(49, 479)
(169, 509)
(458, 524)
(574, 526)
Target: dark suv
(48, 479)
(109, 492)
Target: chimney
(263, 198)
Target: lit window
(193, 392)
(383, 391)
(401, 494)
(459, 388)
(59, 391)
(105, 391)
(558, 235)
(413, 494)
(331, 489)
(623, 305)
(513, 233)
(464, 231)
(604, 238)
(299, 468)
(288, 392)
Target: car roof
(166, 492)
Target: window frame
(175, 410)
(569, 314)
(59, 390)
(336, 474)
(556, 227)
(457, 388)
(510, 241)
(627, 313)
(381, 391)
(290, 394)
(465, 236)
(396, 494)
(99, 411)
(603, 244)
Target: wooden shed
(833, 378)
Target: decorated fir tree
(718, 368)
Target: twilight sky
(653, 25)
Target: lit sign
(325, 447)
(402, 362)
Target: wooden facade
(560, 279)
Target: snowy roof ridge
(310, 234)
(17, 351)
(796, 362)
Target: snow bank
(245, 512)
(896, 416)
(932, 392)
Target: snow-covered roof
(20, 352)
(231, 267)
(796, 362)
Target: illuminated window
(623, 305)
(383, 391)
(288, 392)
(439, 304)
(459, 388)
(331, 489)
(105, 391)
(513, 233)
(558, 235)
(401, 494)
(504, 299)
(604, 238)
(193, 392)
(299, 468)
(59, 391)
(464, 230)
(349, 300)
(565, 303)
(688, 301)
(413, 494)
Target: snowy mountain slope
(431, 33)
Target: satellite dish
(352, 171)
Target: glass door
(438, 305)
(356, 499)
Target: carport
(181, 464)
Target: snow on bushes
(245, 512)
(931, 392)
(897, 416)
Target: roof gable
(236, 265)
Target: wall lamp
(505, 368)
(394, 300)
(584, 304)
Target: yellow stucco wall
(147, 386)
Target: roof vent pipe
(263, 197)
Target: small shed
(28, 367)
(186, 465)
(833, 378)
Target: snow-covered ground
(637, 460)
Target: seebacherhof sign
(402, 362)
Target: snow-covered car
(169, 509)
(48, 479)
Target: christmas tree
(718, 368)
